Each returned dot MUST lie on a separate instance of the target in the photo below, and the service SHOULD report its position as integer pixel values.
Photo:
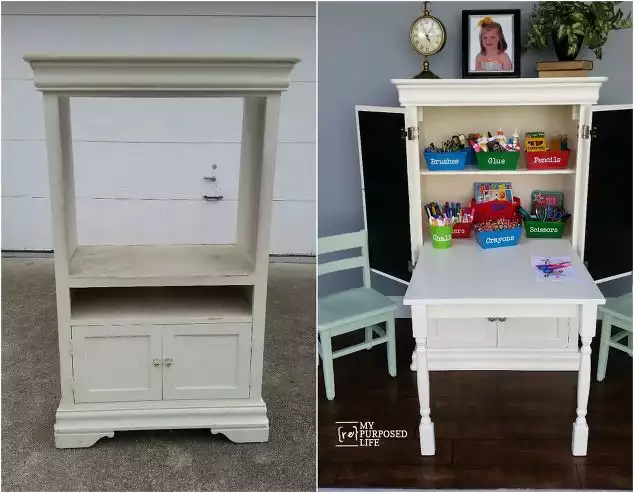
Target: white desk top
(468, 274)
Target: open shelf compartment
(161, 305)
(140, 265)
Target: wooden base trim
(82, 428)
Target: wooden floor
(493, 429)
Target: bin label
(441, 238)
(444, 161)
(538, 229)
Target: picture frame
(491, 43)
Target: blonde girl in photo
(492, 56)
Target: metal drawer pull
(168, 362)
(210, 178)
(213, 197)
(491, 319)
(156, 362)
(502, 319)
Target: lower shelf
(445, 359)
(161, 305)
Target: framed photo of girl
(490, 43)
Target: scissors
(553, 214)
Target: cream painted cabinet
(206, 361)
(115, 363)
(164, 336)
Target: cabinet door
(610, 182)
(382, 154)
(533, 332)
(206, 361)
(462, 332)
(116, 363)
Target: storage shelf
(160, 305)
(177, 265)
(521, 170)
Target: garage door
(140, 165)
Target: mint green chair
(616, 312)
(352, 309)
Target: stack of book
(574, 68)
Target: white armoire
(396, 183)
(163, 336)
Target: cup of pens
(448, 220)
(441, 235)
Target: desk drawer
(533, 332)
(462, 332)
(501, 310)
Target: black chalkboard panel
(608, 245)
(382, 141)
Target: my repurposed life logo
(363, 434)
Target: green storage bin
(441, 236)
(544, 229)
(498, 160)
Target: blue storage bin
(500, 238)
(447, 161)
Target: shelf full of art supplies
(498, 154)
(440, 124)
(492, 214)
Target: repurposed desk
(493, 287)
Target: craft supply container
(461, 230)
(497, 209)
(506, 160)
(544, 229)
(441, 236)
(499, 238)
(446, 161)
(547, 159)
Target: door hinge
(411, 133)
(586, 133)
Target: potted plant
(570, 24)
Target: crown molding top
(499, 92)
(94, 74)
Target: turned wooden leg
(580, 426)
(412, 366)
(426, 427)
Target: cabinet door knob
(502, 319)
(491, 319)
(156, 362)
(168, 362)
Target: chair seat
(350, 305)
(620, 308)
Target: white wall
(139, 163)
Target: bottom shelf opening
(173, 304)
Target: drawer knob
(502, 319)
(156, 362)
(491, 319)
(168, 362)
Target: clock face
(427, 35)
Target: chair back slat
(340, 243)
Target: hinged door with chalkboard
(382, 138)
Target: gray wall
(362, 45)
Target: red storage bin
(495, 209)
(461, 230)
(547, 159)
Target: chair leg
(604, 348)
(326, 364)
(391, 346)
(368, 335)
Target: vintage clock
(427, 35)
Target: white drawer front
(115, 363)
(206, 361)
(534, 332)
(462, 332)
